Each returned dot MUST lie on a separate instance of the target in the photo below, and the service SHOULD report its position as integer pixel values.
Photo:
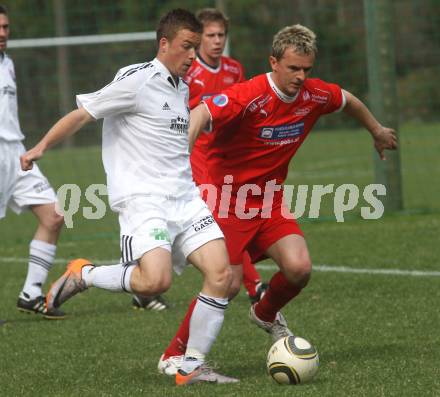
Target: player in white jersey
(156, 302)
(20, 190)
(163, 220)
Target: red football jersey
(258, 129)
(204, 82)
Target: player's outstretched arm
(384, 138)
(198, 120)
(63, 128)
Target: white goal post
(81, 40)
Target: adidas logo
(166, 106)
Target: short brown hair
(206, 15)
(300, 38)
(176, 20)
(3, 10)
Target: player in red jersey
(208, 75)
(258, 127)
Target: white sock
(112, 277)
(41, 255)
(205, 324)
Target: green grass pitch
(377, 334)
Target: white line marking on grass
(266, 266)
(346, 269)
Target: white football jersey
(9, 124)
(145, 133)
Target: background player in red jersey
(258, 127)
(209, 74)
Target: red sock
(250, 275)
(177, 346)
(279, 293)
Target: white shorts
(179, 226)
(20, 189)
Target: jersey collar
(207, 66)
(280, 94)
(165, 72)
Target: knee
(221, 276)
(225, 276)
(298, 269)
(154, 285)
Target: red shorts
(255, 235)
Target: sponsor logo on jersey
(41, 186)
(231, 68)
(166, 106)
(306, 96)
(282, 131)
(220, 100)
(302, 111)
(282, 142)
(319, 98)
(160, 234)
(228, 80)
(203, 223)
(267, 132)
(180, 125)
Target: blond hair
(302, 39)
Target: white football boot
(170, 365)
(278, 329)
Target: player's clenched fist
(27, 159)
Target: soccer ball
(292, 360)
